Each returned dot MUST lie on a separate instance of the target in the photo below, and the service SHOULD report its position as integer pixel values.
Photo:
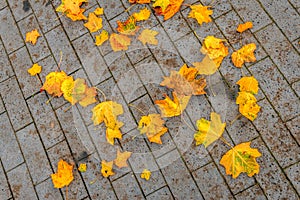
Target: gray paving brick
(18, 10)
(288, 20)
(11, 155)
(17, 109)
(251, 11)
(92, 61)
(293, 174)
(219, 7)
(149, 23)
(173, 168)
(211, 183)
(2, 108)
(4, 188)
(58, 41)
(270, 178)
(276, 89)
(295, 3)
(45, 14)
(3, 4)
(40, 50)
(36, 159)
(294, 127)
(73, 29)
(5, 67)
(45, 190)
(45, 120)
(296, 44)
(21, 184)
(281, 51)
(21, 62)
(137, 51)
(162, 194)
(126, 187)
(296, 87)
(9, 33)
(253, 192)
(76, 189)
(111, 8)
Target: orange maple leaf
(200, 13)
(53, 83)
(248, 84)
(119, 42)
(243, 27)
(72, 9)
(171, 10)
(245, 54)
(128, 27)
(139, 1)
(94, 23)
(121, 159)
(64, 175)
(32, 36)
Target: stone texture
(5, 68)
(296, 87)
(114, 7)
(293, 174)
(163, 194)
(19, 9)
(45, 190)
(294, 127)
(4, 188)
(253, 192)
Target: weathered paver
(5, 67)
(163, 194)
(45, 190)
(254, 192)
(20, 9)
(4, 188)
(293, 174)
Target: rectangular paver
(45, 190)
(294, 127)
(254, 192)
(293, 174)
(162, 194)
(5, 68)
(4, 188)
(20, 9)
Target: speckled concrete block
(293, 174)
(5, 68)
(4, 188)
(45, 190)
(294, 127)
(20, 9)
(163, 194)
(254, 192)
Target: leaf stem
(190, 127)
(103, 94)
(127, 10)
(68, 108)
(48, 101)
(60, 60)
(131, 105)
(226, 142)
(236, 118)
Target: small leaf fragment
(82, 167)
(243, 27)
(146, 174)
(106, 168)
(121, 159)
(99, 11)
(148, 36)
(139, 1)
(144, 14)
(64, 175)
(32, 36)
(163, 4)
(245, 54)
(101, 38)
(119, 42)
(35, 69)
(94, 23)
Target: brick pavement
(35, 135)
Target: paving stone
(5, 67)
(92, 61)
(276, 89)
(288, 20)
(45, 120)
(58, 41)
(162, 194)
(45, 190)
(2, 108)
(173, 169)
(3, 4)
(111, 8)
(253, 192)
(21, 62)
(149, 23)
(73, 29)
(93, 174)
(296, 44)
(40, 50)
(295, 3)
(20, 9)
(270, 178)
(219, 7)
(293, 174)
(281, 51)
(4, 188)
(126, 187)
(36, 159)
(251, 11)
(75, 132)
(9, 32)
(211, 183)
(76, 190)
(17, 109)
(294, 127)
(296, 87)
(21, 184)
(46, 15)
(137, 51)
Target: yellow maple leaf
(53, 83)
(206, 67)
(106, 168)
(121, 159)
(101, 38)
(139, 1)
(184, 82)
(243, 27)
(241, 158)
(67, 88)
(82, 167)
(146, 174)
(32, 36)
(128, 27)
(171, 108)
(114, 133)
(200, 13)
(163, 4)
(99, 11)
(94, 23)
(245, 54)
(248, 84)
(72, 9)
(144, 14)
(119, 42)
(153, 126)
(64, 175)
(148, 36)
(247, 105)
(209, 131)
(171, 10)
(34, 70)
(78, 16)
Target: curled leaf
(171, 10)
(146, 174)
(245, 54)
(34, 70)
(243, 27)
(53, 83)
(128, 27)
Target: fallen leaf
(241, 158)
(139, 1)
(89, 97)
(94, 23)
(171, 10)
(67, 88)
(121, 159)
(119, 42)
(153, 126)
(115, 133)
(171, 108)
(34, 70)
(128, 27)
(144, 14)
(106, 168)
(64, 175)
(248, 106)
(148, 36)
(101, 38)
(78, 16)
(206, 67)
(99, 11)
(82, 167)
(248, 84)
(163, 4)
(32, 36)
(53, 83)
(146, 174)
(243, 27)
(245, 54)
(200, 13)
(184, 82)
(72, 9)
(209, 131)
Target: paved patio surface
(34, 135)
